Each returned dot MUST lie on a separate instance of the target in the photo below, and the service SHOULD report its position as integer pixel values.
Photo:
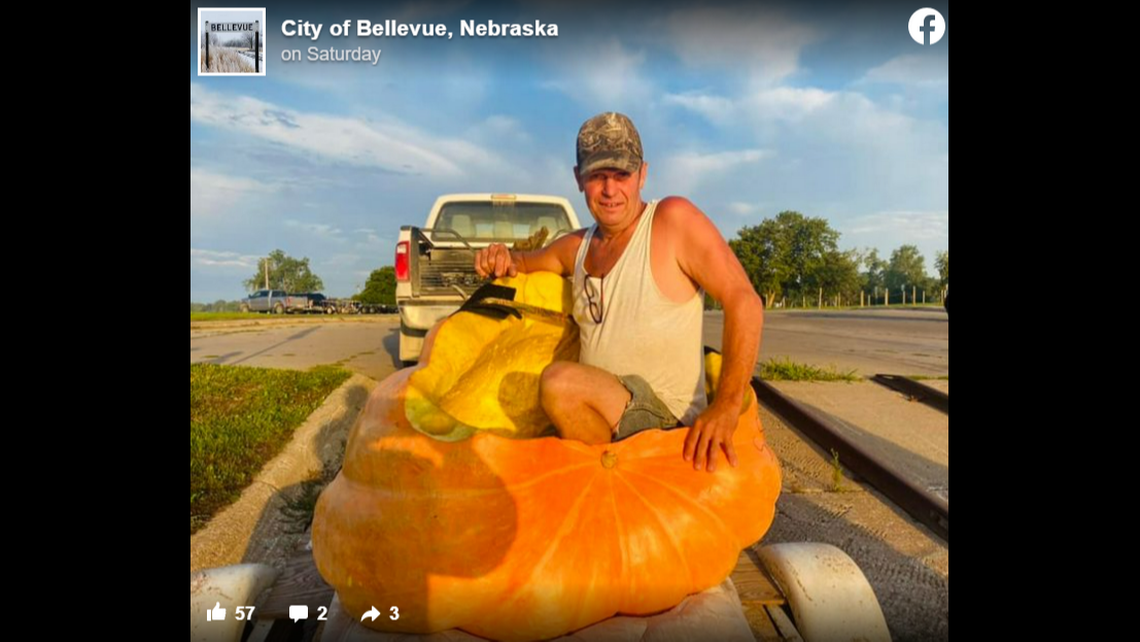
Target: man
(640, 275)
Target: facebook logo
(927, 26)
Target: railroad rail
(924, 506)
(918, 392)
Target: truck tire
(278, 309)
(411, 344)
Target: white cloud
(773, 104)
(216, 259)
(840, 153)
(601, 74)
(810, 114)
(319, 230)
(910, 225)
(213, 194)
(921, 70)
(720, 161)
(889, 230)
(743, 209)
(367, 236)
(683, 172)
(341, 262)
(390, 145)
(764, 42)
(788, 103)
(424, 11)
(497, 130)
(717, 109)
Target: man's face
(613, 195)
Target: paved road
(367, 344)
(868, 341)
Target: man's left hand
(711, 433)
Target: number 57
(244, 612)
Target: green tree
(907, 268)
(874, 276)
(942, 264)
(784, 255)
(760, 250)
(380, 288)
(838, 274)
(285, 273)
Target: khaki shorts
(644, 411)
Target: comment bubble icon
(298, 612)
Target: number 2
(324, 611)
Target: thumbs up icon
(216, 614)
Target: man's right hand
(495, 260)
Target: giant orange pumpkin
(458, 525)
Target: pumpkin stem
(609, 459)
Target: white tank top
(642, 331)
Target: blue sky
(748, 109)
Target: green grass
(240, 418)
(224, 316)
(836, 472)
(784, 369)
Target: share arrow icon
(374, 613)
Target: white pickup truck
(435, 264)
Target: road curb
(227, 539)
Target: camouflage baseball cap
(608, 140)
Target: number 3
(395, 613)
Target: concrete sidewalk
(909, 436)
(906, 564)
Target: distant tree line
(294, 276)
(794, 260)
(244, 40)
(216, 306)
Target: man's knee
(555, 381)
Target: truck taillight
(402, 249)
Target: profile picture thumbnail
(231, 42)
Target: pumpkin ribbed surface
(523, 539)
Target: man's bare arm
(703, 254)
(558, 257)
